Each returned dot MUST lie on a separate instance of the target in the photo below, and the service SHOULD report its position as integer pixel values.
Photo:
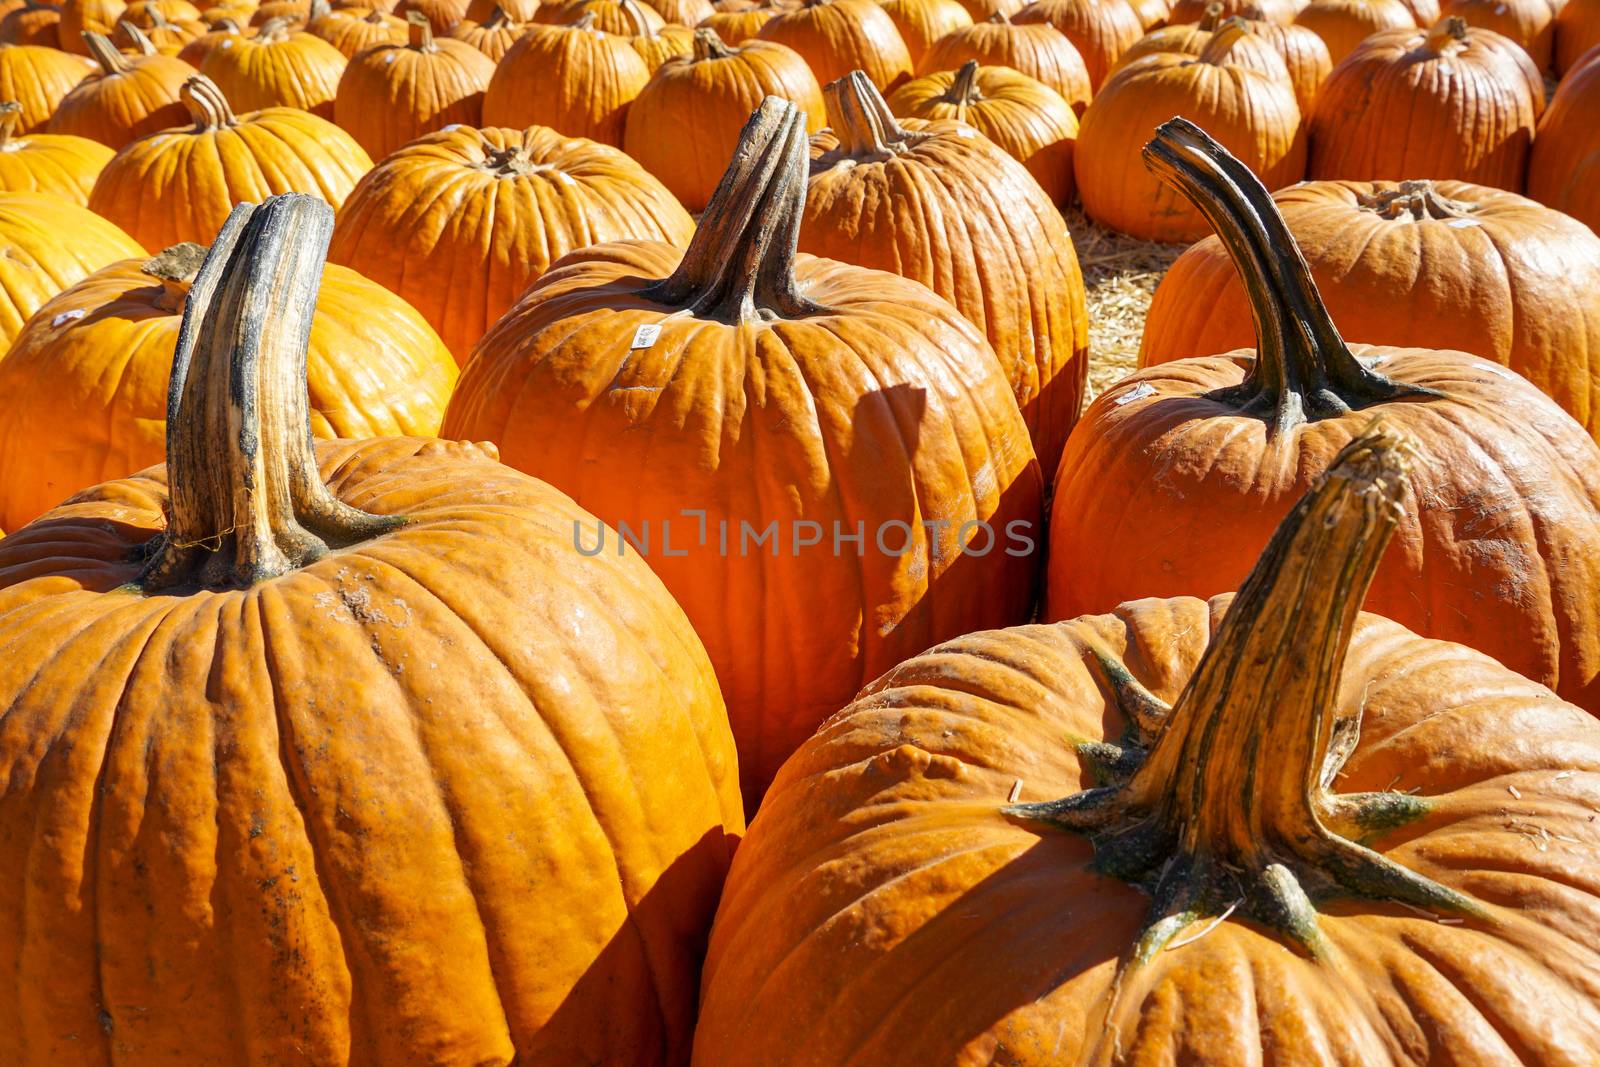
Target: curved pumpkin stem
(707, 45)
(963, 89)
(1223, 39)
(207, 106)
(1414, 201)
(1303, 370)
(636, 15)
(10, 117)
(739, 267)
(421, 33)
(866, 128)
(1230, 809)
(247, 502)
(175, 268)
(140, 40)
(1212, 16)
(112, 62)
(274, 30)
(1445, 34)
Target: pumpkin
(294, 13)
(1184, 38)
(1304, 56)
(55, 164)
(89, 371)
(685, 13)
(934, 203)
(1281, 12)
(1408, 264)
(1208, 453)
(983, 10)
(656, 43)
(442, 15)
(517, 202)
(610, 16)
(336, 752)
(737, 27)
(180, 185)
(240, 11)
(46, 244)
(1564, 169)
(782, 394)
(691, 113)
(32, 23)
(278, 67)
(1300, 54)
(515, 10)
(1247, 50)
(194, 53)
(1472, 97)
(1344, 24)
(493, 37)
(130, 97)
(352, 30)
(1038, 50)
(1530, 23)
(1577, 31)
(922, 22)
(164, 36)
(1099, 29)
(392, 94)
(574, 79)
(1152, 13)
(1253, 114)
(835, 37)
(1026, 119)
(1266, 828)
(86, 16)
(38, 79)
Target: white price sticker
(645, 336)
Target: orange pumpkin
(610, 16)
(294, 13)
(278, 67)
(737, 27)
(46, 244)
(1152, 13)
(934, 203)
(442, 15)
(1564, 169)
(355, 29)
(1026, 119)
(575, 79)
(515, 10)
(179, 185)
(1530, 23)
(338, 754)
(32, 23)
(130, 97)
(86, 16)
(691, 113)
(782, 393)
(1247, 50)
(1577, 31)
(1281, 12)
(1344, 24)
(1101, 30)
(392, 94)
(1472, 97)
(54, 164)
(194, 53)
(38, 79)
(685, 13)
(835, 37)
(1267, 829)
(983, 10)
(654, 41)
(1304, 55)
(494, 36)
(519, 201)
(1300, 54)
(1038, 50)
(163, 35)
(1184, 38)
(922, 22)
(1208, 453)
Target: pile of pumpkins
(629, 576)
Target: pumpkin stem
(584, 21)
(207, 106)
(636, 15)
(1446, 34)
(175, 268)
(866, 129)
(739, 266)
(274, 30)
(137, 38)
(158, 21)
(1303, 370)
(375, 17)
(112, 62)
(1223, 38)
(421, 32)
(963, 89)
(707, 45)
(246, 500)
(496, 19)
(1212, 16)
(1413, 201)
(10, 116)
(317, 9)
(1230, 807)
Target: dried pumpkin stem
(497, 18)
(10, 117)
(963, 90)
(247, 502)
(317, 9)
(421, 33)
(1303, 370)
(175, 268)
(1446, 34)
(707, 45)
(274, 30)
(866, 128)
(207, 106)
(999, 18)
(112, 62)
(740, 265)
(138, 38)
(1212, 16)
(1415, 201)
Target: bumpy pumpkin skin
(499, 207)
(1038, 50)
(39, 79)
(53, 164)
(1564, 169)
(835, 37)
(129, 98)
(575, 79)
(46, 244)
(882, 910)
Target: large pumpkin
(1207, 454)
(392, 94)
(354, 30)
(50, 163)
(46, 244)
(1253, 114)
(337, 753)
(922, 22)
(687, 120)
(1266, 829)
(1577, 31)
(575, 79)
(130, 97)
(1564, 168)
(835, 37)
(1099, 29)
(934, 203)
(1416, 264)
(748, 413)
(1344, 24)
(513, 202)
(1027, 120)
(1471, 99)
(1529, 23)
(278, 67)
(1036, 49)
(38, 79)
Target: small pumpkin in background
(983, 10)
(55, 164)
(1344, 24)
(1529, 23)
(1577, 31)
(442, 15)
(294, 13)
(86, 16)
(355, 29)
(1038, 50)
(46, 244)
(515, 10)
(688, 119)
(574, 79)
(1415, 264)
(1248, 49)
(610, 16)
(1564, 167)
(494, 36)
(520, 200)
(934, 203)
(165, 36)
(128, 98)
(835, 37)
(685, 13)
(278, 67)
(394, 93)
(1253, 114)
(179, 185)
(1101, 30)
(1304, 55)
(1281, 12)
(1152, 13)
(38, 79)
(225, 30)
(922, 22)
(737, 27)
(1473, 98)
(32, 23)
(656, 42)
(1028, 120)
(1184, 38)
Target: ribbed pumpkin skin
(835, 37)
(33, 24)
(46, 244)
(1304, 55)
(686, 122)
(194, 53)
(1099, 29)
(277, 69)
(1529, 23)
(451, 206)
(392, 94)
(1564, 169)
(922, 22)
(78, 16)
(118, 107)
(452, 795)
(89, 374)
(1038, 50)
(358, 29)
(1398, 109)
(441, 14)
(58, 166)
(737, 27)
(882, 888)
(1024, 118)
(1248, 50)
(1577, 31)
(493, 39)
(38, 78)
(686, 13)
(1344, 24)
(658, 46)
(515, 10)
(956, 214)
(1498, 276)
(610, 16)
(576, 81)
